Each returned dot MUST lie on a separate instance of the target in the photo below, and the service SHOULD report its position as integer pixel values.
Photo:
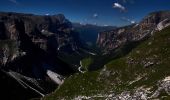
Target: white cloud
(128, 20)
(14, 1)
(47, 14)
(132, 22)
(105, 25)
(119, 6)
(95, 15)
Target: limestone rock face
(29, 46)
(40, 29)
(111, 40)
(24, 32)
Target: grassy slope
(87, 62)
(120, 72)
(10, 44)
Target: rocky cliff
(24, 34)
(111, 40)
(30, 45)
(42, 30)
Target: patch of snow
(163, 24)
(43, 30)
(121, 31)
(58, 48)
(136, 25)
(137, 79)
(58, 79)
(91, 53)
(147, 64)
(167, 78)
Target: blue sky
(100, 12)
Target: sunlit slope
(146, 68)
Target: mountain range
(42, 53)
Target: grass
(77, 84)
(9, 44)
(120, 72)
(86, 63)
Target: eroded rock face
(29, 46)
(52, 34)
(40, 29)
(9, 50)
(114, 39)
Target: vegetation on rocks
(144, 67)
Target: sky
(99, 12)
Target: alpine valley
(48, 57)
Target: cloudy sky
(100, 12)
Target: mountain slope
(142, 74)
(112, 40)
(29, 48)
